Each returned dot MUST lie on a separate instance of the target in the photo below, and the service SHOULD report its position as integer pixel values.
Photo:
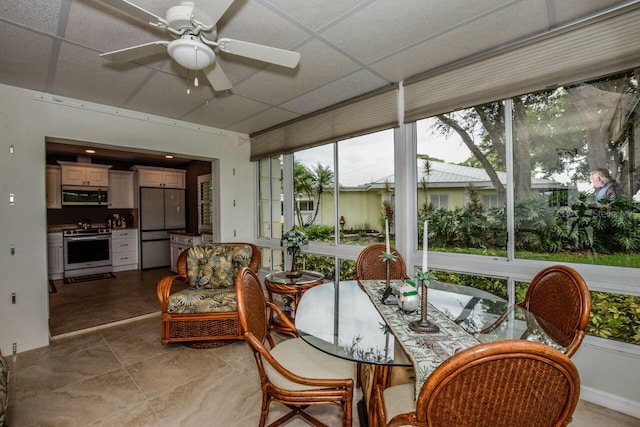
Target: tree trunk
(468, 141)
(521, 152)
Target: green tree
(321, 179)
(302, 187)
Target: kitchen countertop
(59, 228)
(184, 233)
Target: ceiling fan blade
(136, 52)
(217, 77)
(135, 10)
(212, 10)
(285, 58)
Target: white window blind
(367, 114)
(599, 46)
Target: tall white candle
(386, 233)
(425, 247)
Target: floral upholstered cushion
(4, 389)
(216, 266)
(192, 300)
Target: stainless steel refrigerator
(161, 210)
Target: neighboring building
(446, 187)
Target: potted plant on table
(293, 240)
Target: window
(270, 209)
(491, 202)
(366, 183)
(313, 180)
(439, 201)
(205, 203)
(563, 134)
(459, 162)
(509, 179)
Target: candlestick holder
(423, 326)
(387, 298)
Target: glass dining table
(348, 320)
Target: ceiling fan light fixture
(191, 54)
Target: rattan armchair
(498, 384)
(199, 317)
(292, 372)
(369, 266)
(559, 299)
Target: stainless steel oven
(87, 252)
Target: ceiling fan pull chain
(188, 77)
(195, 81)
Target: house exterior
(447, 184)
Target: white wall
(25, 121)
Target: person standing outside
(605, 186)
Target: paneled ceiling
(347, 47)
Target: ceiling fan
(194, 33)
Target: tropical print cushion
(4, 389)
(192, 300)
(216, 266)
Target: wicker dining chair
(293, 372)
(498, 384)
(369, 266)
(559, 299)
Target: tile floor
(83, 305)
(121, 375)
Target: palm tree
(302, 186)
(321, 179)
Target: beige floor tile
(140, 415)
(78, 404)
(591, 415)
(173, 369)
(123, 376)
(219, 398)
(137, 341)
(59, 368)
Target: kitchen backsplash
(95, 214)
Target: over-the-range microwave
(79, 195)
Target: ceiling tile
(252, 22)
(25, 57)
(111, 29)
(309, 14)
(570, 10)
(319, 64)
(464, 41)
(40, 15)
(348, 48)
(263, 120)
(223, 111)
(166, 95)
(350, 86)
(81, 74)
(387, 26)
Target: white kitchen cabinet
(55, 255)
(124, 249)
(54, 187)
(90, 174)
(181, 242)
(160, 177)
(120, 190)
